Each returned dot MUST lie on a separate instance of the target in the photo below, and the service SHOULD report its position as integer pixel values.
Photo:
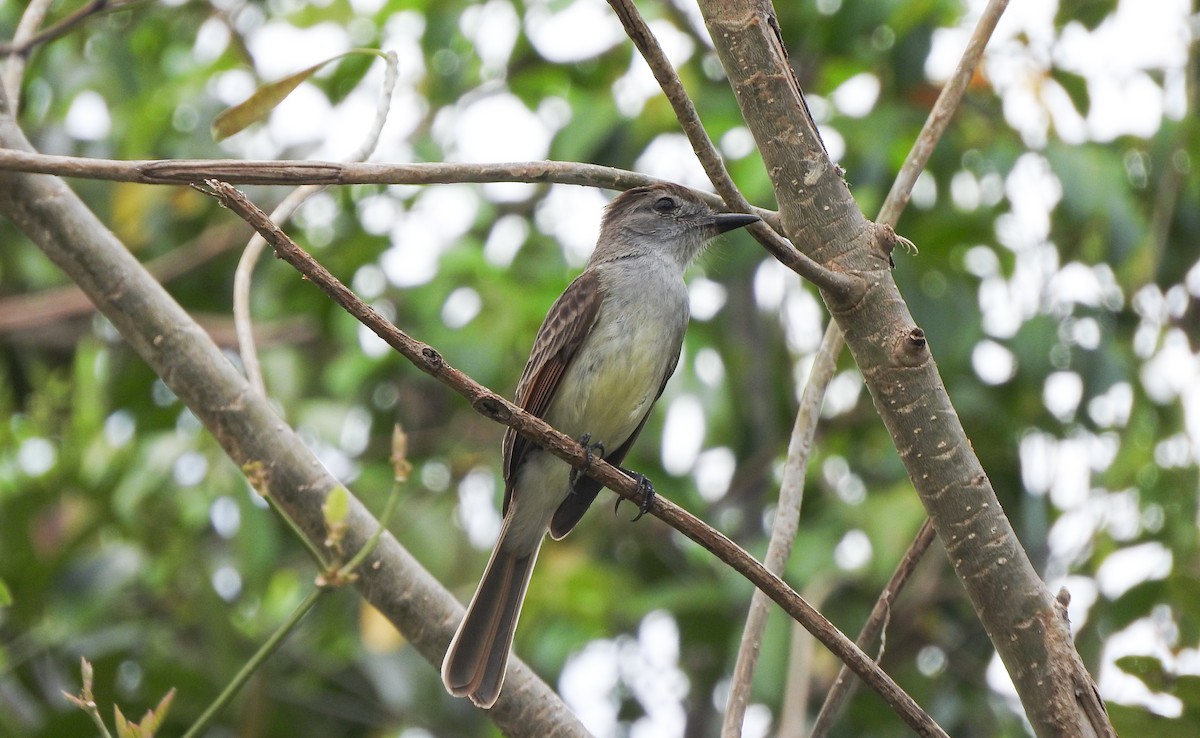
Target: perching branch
(497, 408)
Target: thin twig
(798, 682)
(685, 112)
(276, 172)
(943, 110)
(495, 407)
(244, 274)
(783, 530)
(843, 685)
(14, 71)
(23, 46)
(710, 158)
(252, 665)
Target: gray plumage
(599, 362)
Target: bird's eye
(665, 205)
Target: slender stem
(843, 686)
(93, 711)
(21, 46)
(787, 522)
(710, 159)
(264, 652)
(369, 547)
(943, 111)
(243, 275)
(14, 71)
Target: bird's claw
(646, 489)
(589, 449)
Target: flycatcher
(599, 362)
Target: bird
(599, 362)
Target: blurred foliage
(128, 538)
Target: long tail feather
(477, 658)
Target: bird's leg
(645, 488)
(589, 449)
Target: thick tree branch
(821, 218)
(493, 406)
(918, 156)
(249, 430)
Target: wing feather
(564, 330)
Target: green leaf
(1076, 88)
(125, 729)
(1088, 12)
(5, 595)
(267, 97)
(1147, 668)
(337, 506)
(154, 718)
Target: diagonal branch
(820, 217)
(935, 126)
(942, 113)
(784, 527)
(24, 45)
(843, 686)
(495, 407)
(248, 429)
(799, 262)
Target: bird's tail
(477, 658)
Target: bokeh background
(1057, 280)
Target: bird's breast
(617, 374)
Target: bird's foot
(589, 449)
(645, 488)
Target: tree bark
(821, 218)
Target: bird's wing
(585, 490)
(564, 330)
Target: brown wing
(572, 509)
(558, 340)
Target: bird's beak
(729, 221)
